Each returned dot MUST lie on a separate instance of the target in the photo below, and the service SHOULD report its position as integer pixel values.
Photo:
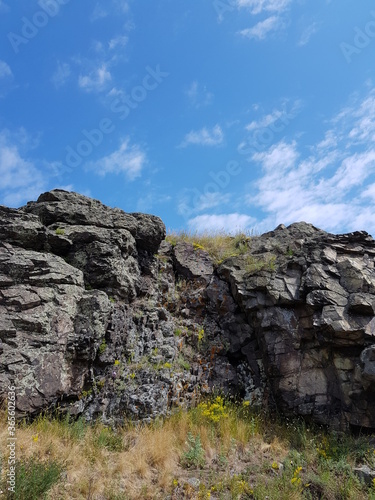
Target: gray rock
(63, 207)
(94, 320)
(191, 262)
(365, 474)
(21, 229)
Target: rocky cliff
(101, 316)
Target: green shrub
(107, 438)
(182, 363)
(194, 456)
(59, 231)
(102, 347)
(33, 479)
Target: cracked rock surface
(101, 316)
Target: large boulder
(64, 207)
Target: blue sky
(212, 114)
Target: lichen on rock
(101, 316)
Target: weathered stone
(322, 307)
(365, 474)
(63, 207)
(21, 229)
(91, 320)
(191, 262)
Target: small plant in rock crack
(194, 456)
(200, 336)
(102, 347)
(60, 231)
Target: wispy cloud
(269, 127)
(204, 137)
(259, 6)
(193, 202)
(127, 159)
(5, 71)
(104, 9)
(230, 223)
(308, 33)
(263, 28)
(6, 79)
(21, 179)
(118, 41)
(3, 7)
(198, 95)
(148, 202)
(332, 188)
(122, 5)
(99, 12)
(286, 111)
(96, 80)
(61, 74)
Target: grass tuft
(236, 453)
(219, 245)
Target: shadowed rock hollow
(103, 317)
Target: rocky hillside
(103, 317)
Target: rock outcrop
(101, 316)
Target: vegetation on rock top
(219, 245)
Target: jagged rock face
(103, 317)
(313, 316)
(50, 327)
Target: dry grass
(244, 456)
(219, 245)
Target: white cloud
(122, 5)
(104, 9)
(334, 187)
(280, 157)
(259, 6)
(263, 28)
(204, 137)
(192, 201)
(308, 33)
(264, 130)
(230, 223)
(198, 95)
(96, 80)
(118, 41)
(21, 180)
(265, 121)
(98, 13)
(127, 159)
(61, 75)
(5, 71)
(369, 192)
(147, 202)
